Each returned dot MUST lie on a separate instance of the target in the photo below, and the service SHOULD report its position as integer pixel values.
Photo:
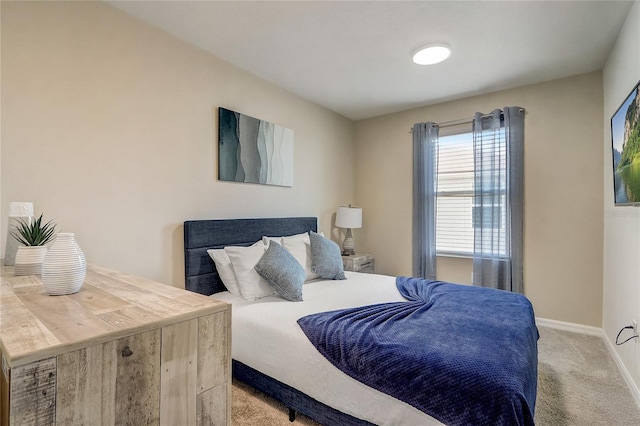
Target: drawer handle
(126, 352)
(366, 264)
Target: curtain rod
(457, 122)
(460, 121)
(451, 123)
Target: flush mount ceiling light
(431, 54)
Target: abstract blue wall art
(253, 151)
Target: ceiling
(354, 57)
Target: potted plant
(34, 235)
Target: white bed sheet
(266, 337)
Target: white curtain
(425, 139)
(498, 140)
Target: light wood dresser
(122, 351)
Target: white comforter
(267, 338)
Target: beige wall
(621, 295)
(563, 192)
(110, 127)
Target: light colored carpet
(250, 407)
(578, 385)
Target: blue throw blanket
(464, 355)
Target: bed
(272, 353)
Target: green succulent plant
(34, 233)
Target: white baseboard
(625, 373)
(569, 326)
(599, 332)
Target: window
(458, 218)
(468, 192)
(454, 194)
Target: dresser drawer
(360, 262)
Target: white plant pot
(29, 260)
(64, 267)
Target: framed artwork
(253, 151)
(625, 140)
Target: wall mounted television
(625, 140)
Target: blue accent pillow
(282, 271)
(326, 259)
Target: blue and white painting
(254, 151)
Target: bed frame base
(296, 401)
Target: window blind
(458, 213)
(490, 202)
(454, 194)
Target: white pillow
(266, 240)
(225, 270)
(244, 259)
(300, 248)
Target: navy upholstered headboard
(200, 235)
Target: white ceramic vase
(64, 267)
(29, 260)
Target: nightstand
(359, 262)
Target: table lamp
(349, 217)
(17, 210)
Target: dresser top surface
(110, 305)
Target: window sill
(466, 256)
(457, 255)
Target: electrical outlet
(635, 329)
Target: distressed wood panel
(21, 330)
(189, 298)
(109, 375)
(146, 299)
(54, 311)
(178, 377)
(21, 281)
(33, 394)
(213, 350)
(80, 386)
(129, 317)
(98, 301)
(4, 393)
(211, 407)
(137, 393)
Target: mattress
(267, 338)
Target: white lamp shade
(349, 217)
(20, 209)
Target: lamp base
(348, 245)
